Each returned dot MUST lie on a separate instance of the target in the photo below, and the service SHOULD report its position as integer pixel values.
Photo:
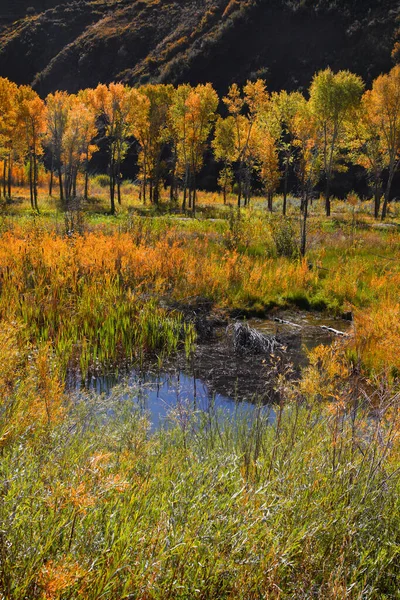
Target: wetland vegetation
(199, 390)
(281, 501)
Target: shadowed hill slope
(77, 44)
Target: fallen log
(334, 331)
(284, 322)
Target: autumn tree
(177, 120)
(88, 133)
(224, 146)
(58, 111)
(31, 119)
(282, 112)
(77, 144)
(245, 108)
(305, 129)
(192, 116)
(8, 124)
(333, 97)
(113, 105)
(268, 159)
(364, 143)
(149, 118)
(384, 110)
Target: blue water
(235, 383)
(167, 397)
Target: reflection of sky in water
(177, 394)
(167, 397)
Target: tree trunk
(112, 188)
(119, 190)
(194, 194)
(67, 177)
(190, 193)
(151, 190)
(304, 225)
(247, 186)
(112, 195)
(285, 186)
(118, 176)
(86, 192)
(51, 176)
(9, 177)
(174, 187)
(31, 182)
(185, 187)
(60, 183)
(328, 196)
(74, 178)
(240, 185)
(35, 182)
(4, 178)
(51, 183)
(377, 200)
(387, 193)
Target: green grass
(99, 508)
(94, 504)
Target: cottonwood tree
(149, 118)
(364, 142)
(31, 120)
(179, 135)
(267, 155)
(113, 105)
(192, 116)
(57, 105)
(384, 110)
(283, 110)
(333, 97)
(8, 125)
(224, 146)
(77, 145)
(88, 133)
(245, 109)
(305, 128)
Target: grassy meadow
(95, 504)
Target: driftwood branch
(334, 331)
(284, 322)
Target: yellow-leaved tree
(333, 98)
(31, 119)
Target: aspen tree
(57, 119)
(32, 122)
(333, 97)
(384, 104)
(224, 147)
(282, 113)
(308, 166)
(245, 109)
(8, 124)
(113, 106)
(364, 142)
(149, 118)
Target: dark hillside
(72, 45)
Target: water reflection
(218, 378)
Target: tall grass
(94, 506)
(96, 297)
